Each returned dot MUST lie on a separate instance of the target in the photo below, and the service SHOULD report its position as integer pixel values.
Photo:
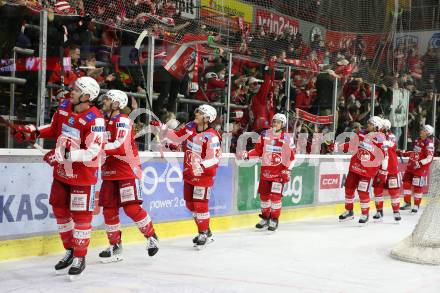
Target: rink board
(27, 226)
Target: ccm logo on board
(329, 181)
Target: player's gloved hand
(244, 155)
(50, 157)
(382, 175)
(155, 123)
(285, 175)
(25, 133)
(417, 164)
(197, 169)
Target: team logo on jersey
(71, 121)
(363, 155)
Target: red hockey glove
(25, 133)
(155, 123)
(50, 157)
(382, 175)
(285, 175)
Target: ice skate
(347, 215)
(77, 268)
(273, 225)
(210, 238)
(153, 245)
(203, 240)
(112, 254)
(363, 219)
(415, 209)
(65, 262)
(406, 207)
(397, 217)
(378, 217)
(263, 224)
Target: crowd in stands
(85, 32)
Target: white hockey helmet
(88, 86)
(211, 75)
(118, 96)
(280, 117)
(386, 124)
(429, 129)
(208, 112)
(376, 121)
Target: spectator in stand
(325, 82)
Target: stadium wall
(28, 228)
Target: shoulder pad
(64, 104)
(190, 125)
(90, 116)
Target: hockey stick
(137, 45)
(10, 125)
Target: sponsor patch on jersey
(90, 116)
(366, 145)
(194, 147)
(127, 194)
(70, 131)
(98, 128)
(82, 121)
(214, 145)
(71, 120)
(121, 125)
(78, 202)
(64, 113)
(273, 149)
(430, 147)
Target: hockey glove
(382, 175)
(285, 176)
(50, 157)
(25, 133)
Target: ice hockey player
(371, 154)
(121, 172)
(79, 128)
(392, 181)
(202, 153)
(277, 150)
(417, 170)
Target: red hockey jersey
(277, 154)
(393, 163)
(420, 157)
(122, 161)
(82, 135)
(371, 154)
(202, 153)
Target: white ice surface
(319, 255)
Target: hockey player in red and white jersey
(417, 170)
(392, 181)
(370, 156)
(120, 174)
(277, 150)
(79, 128)
(202, 151)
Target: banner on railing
(399, 107)
(301, 114)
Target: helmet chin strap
(80, 102)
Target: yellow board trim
(48, 244)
